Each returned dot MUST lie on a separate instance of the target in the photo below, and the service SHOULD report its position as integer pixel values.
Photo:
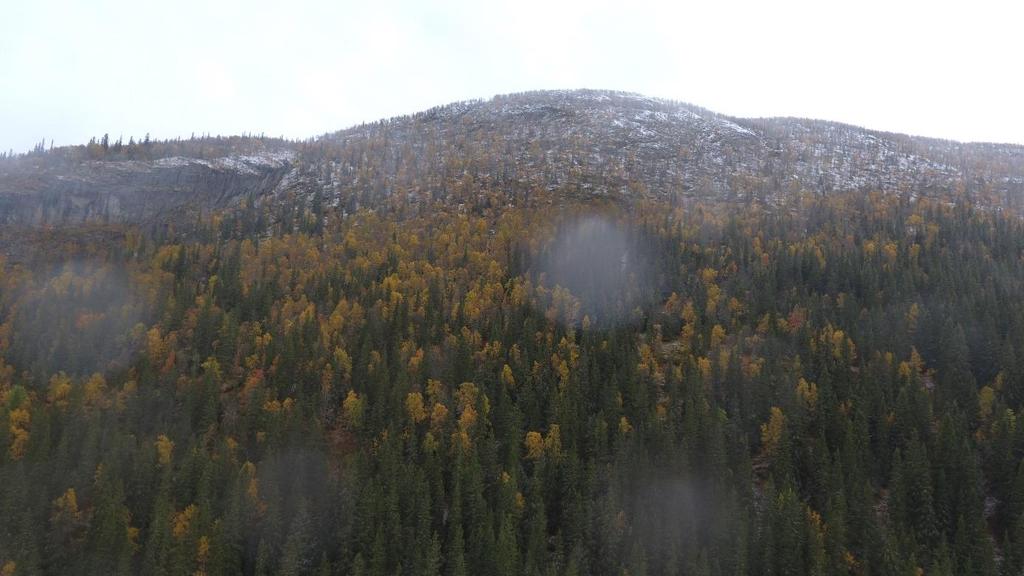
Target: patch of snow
(735, 127)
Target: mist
(604, 265)
(77, 317)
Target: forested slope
(478, 380)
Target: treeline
(106, 148)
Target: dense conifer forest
(828, 386)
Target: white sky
(70, 70)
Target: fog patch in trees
(605, 266)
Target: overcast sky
(70, 70)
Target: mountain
(611, 142)
(548, 333)
(582, 142)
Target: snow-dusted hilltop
(578, 143)
(620, 143)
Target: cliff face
(132, 190)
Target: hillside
(552, 333)
(611, 144)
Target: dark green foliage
(832, 386)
